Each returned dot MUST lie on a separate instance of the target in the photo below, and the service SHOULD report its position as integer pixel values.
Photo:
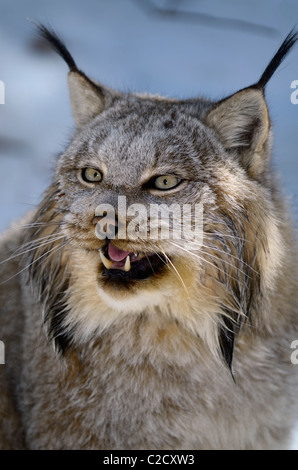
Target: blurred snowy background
(177, 48)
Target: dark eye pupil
(165, 181)
(91, 175)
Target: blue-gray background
(177, 48)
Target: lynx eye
(165, 182)
(91, 175)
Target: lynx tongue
(115, 254)
(119, 259)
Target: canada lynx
(153, 343)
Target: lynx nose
(106, 226)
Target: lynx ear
(242, 123)
(242, 120)
(88, 98)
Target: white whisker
(56, 248)
(202, 259)
(174, 268)
(18, 253)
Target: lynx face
(155, 152)
(159, 153)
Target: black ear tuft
(88, 98)
(275, 62)
(58, 46)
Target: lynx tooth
(127, 265)
(105, 261)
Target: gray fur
(194, 357)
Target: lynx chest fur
(150, 300)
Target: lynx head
(137, 162)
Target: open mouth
(130, 266)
